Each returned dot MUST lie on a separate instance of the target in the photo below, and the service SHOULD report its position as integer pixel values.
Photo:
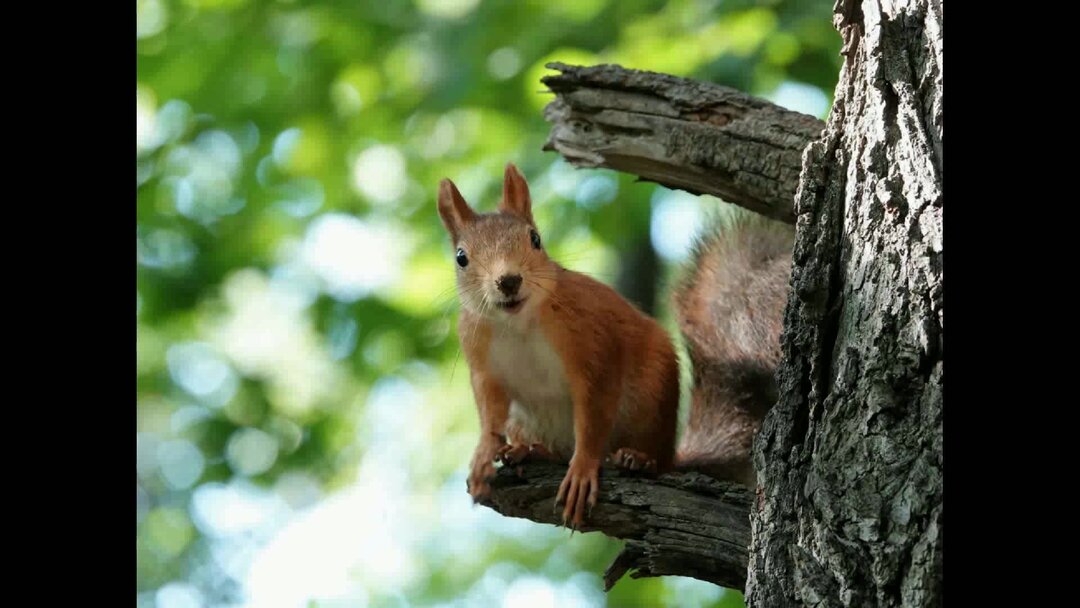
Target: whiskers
(444, 302)
(485, 307)
(449, 300)
(550, 294)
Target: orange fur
(624, 369)
(492, 403)
(567, 364)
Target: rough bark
(682, 524)
(700, 137)
(850, 458)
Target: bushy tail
(730, 309)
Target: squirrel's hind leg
(517, 453)
(633, 460)
(521, 446)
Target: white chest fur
(532, 374)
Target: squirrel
(563, 368)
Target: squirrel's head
(502, 268)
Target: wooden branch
(700, 137)
(683, 524)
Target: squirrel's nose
(509, 284)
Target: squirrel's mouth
(511, 306)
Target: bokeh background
(304, 417)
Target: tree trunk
(850, 459)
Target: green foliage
(296, 310)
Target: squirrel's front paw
(482, 469)
(579, 489)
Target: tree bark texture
(850, 459)
(682, 524)
(700, 137)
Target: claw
(634, 460)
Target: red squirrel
(563, 368)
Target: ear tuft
(515, 198)
(453, 210)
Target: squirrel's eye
(462, 260)
(535, 239)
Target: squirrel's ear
(454, 211)
(515, 198)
